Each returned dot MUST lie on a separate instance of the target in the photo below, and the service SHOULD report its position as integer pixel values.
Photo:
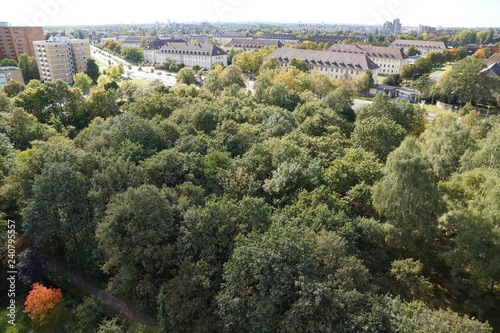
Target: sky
(456, 13)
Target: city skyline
(463, 13)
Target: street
(168, 79)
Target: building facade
(224, 37)
(9, 73)
(15, 41)
(203, 55)
(135, 41)
(61, 58)
(249, 44)
(423, 46)
(393, 27)
(332, 64)
(388, 59)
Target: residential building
(60, 58)
(135, 41)
(250, 43)
(281, 37)
(332, 64)
(224, 37)
(203, 55)
(473, 48)
(334, 39)
(10, 73)
(425, 29)
(388, 59)
(423, 46)
(149, 51)
(15, 41)
(492, 70)
(493, 59)
(393, 27)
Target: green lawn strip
(364, 98)
(441, 69)
(100, 63)
(433, 108)
(381, 78)
(139, 82)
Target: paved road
(167, 79)
(357, 103)
(115, 304)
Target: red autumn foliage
(43, 305)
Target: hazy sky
(456, 13)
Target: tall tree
(466, 36)
(132, 53)
(93, 70)
(59, 211)
(29, 67)
(82, 81)
(13, 88)
(378, 135)
(141, 259)
(292, 280)
(364, 81)
(472, 232)
(407, 198)
(232, 75)
(412, 51)
(213, 82)
(466, 82)
(445, 141)
(186, 76)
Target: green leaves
(59, 207)
(137, 236)
(407, 197)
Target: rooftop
(235, 34)
(279, 36)
(493, 70)
(370, 51)
(325, 58)
(493, 59)
(190, 48)
(253, 43)
(9, 68)
(419, 43)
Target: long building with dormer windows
(424, 46)
(203, 55)
(332, 64)
(388, 59)
(252, 43)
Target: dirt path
(115, 304)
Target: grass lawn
(100, 63)
(364, 98)
(433, 108)
(442, 69)
(381, 78)
(140, 82)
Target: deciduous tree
(407, 198)
(92, 70)
(44, 305)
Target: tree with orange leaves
(43, 305)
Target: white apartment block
(60, 58)
(332, 64)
